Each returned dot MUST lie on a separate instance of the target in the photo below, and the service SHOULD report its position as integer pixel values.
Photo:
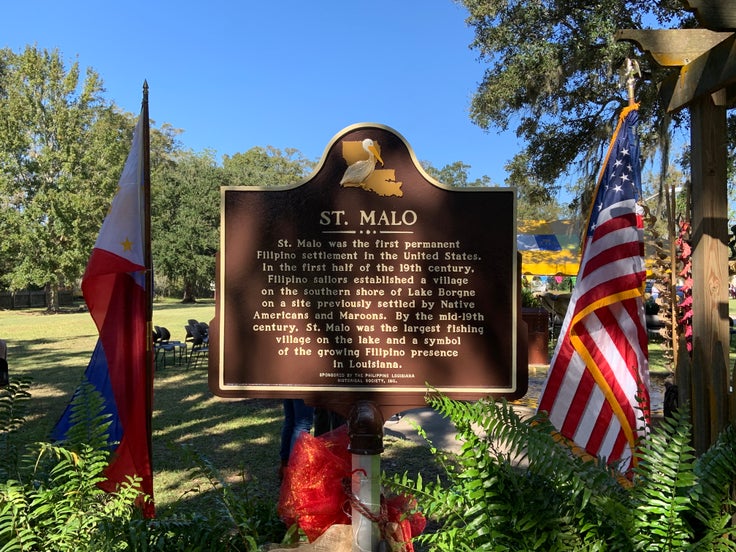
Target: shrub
(49, 498)
(514, 486)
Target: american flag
(597, 388)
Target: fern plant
(712, 495)
(53, 502)
(13, 402)
(239, 519)
(514, 486)
(665, 479)
(50, 499)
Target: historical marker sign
(369, 280)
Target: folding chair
(179, 348)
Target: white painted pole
(367, 489)
(365, 430)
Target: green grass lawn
(240, 437)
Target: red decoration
(403, 510)
(686, 305)
(315, 492)
(312, 493)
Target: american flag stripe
(600, 358)
(600, 364)
(602, 260)
(610, 352)
(605, 379)
(595, 434)
(597, 297)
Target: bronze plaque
(369, 280)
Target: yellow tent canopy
(553, 248)
(542, 259)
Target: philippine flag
(114, 288)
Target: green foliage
(528, 299)
(88, 425)
(455, 174)
(186, 207)
(664, 482)
(53, 502)
(185, 197)
(267, 166)
(238, 520)
(13, 401)
(62, 149)
(536, 198)
(514, 486)
(50, 499)
(714, 504)
(251, 520)
(57, 155)
(554, 72)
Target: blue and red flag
(115, 289)
(597, 389)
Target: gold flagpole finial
(632, 71)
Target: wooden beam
(730, 95)
(725, 97)
(719, 15)
(707, 62)
(706, 75)
(673, 47)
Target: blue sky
(288, 74)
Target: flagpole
(148, 259)
(597, 385)
(147, 206)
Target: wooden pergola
(703, 80)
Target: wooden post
(719, 392)
(707, 61)
(700, 410)
(710, 252)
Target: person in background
(537, 285)
(298, 418)
(4, 376)
(326, 420)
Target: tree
(553, 71)
(61, 151)
(535, 200)
(267, 166)
(185, 219)
(455, 174)
(186, 206)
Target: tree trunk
(189, 296)
(52, 297)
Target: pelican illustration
(358, 172)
